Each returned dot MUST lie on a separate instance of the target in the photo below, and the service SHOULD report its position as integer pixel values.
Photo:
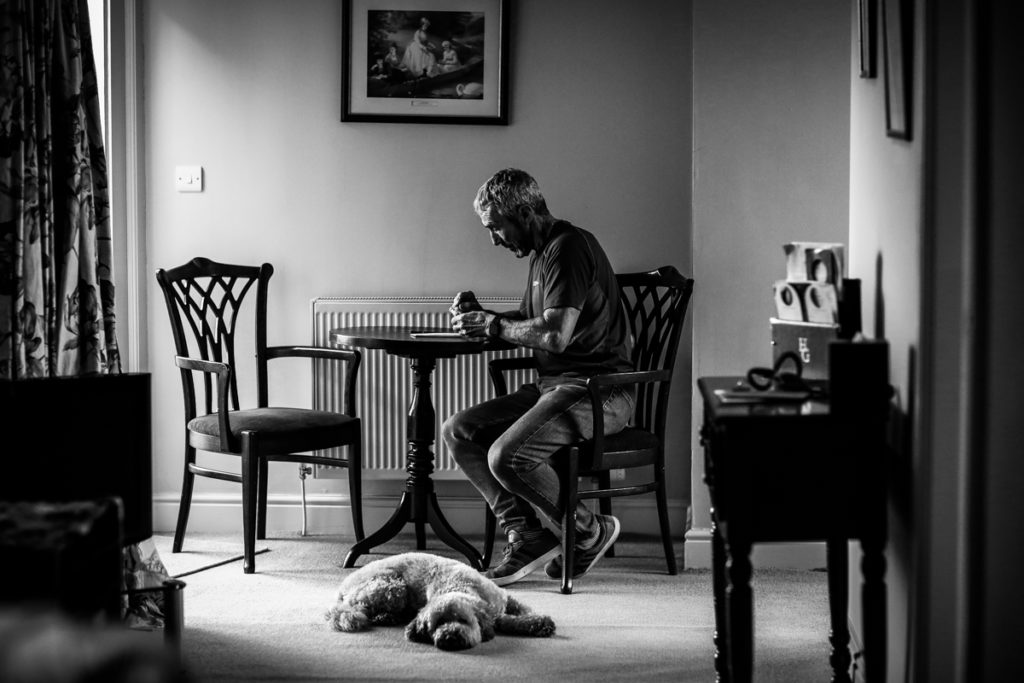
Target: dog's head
(452, 621)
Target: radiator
(384, 386)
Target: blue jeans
(505, 445)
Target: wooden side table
(793, 472)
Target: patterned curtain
(56, 285)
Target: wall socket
(617, 474)
(188, 178)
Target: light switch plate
(188, 178)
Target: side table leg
(740, 609)
(390, 529)
(837, 556)
(873, 601)
(718, 581)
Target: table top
(399, 340)
(711, 388)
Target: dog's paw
(543, 627)
(347, 619)
(418, 632)
(534, 625)
(449, 636)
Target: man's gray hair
(507, 190)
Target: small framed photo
(425, 61)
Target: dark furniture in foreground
(62, 555)
(91, 435)
(66, 558)
(655, 305)
(63, 525)
(204, 300)
(418, 503)
(791, 472)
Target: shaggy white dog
(449, 603)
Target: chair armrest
(211, 366)
(619, 378)
(594, 385)
(497, 368)
(223, 372)
(350, 356)
(313, 352)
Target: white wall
(250, 90)
(886, 223)
(771, 163)
(939, 217)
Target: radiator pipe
(304, 471)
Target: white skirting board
(328, 514)
(697, 553)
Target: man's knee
(501, 459)
(457, 433)
(452, 430)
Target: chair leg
(490, 530)
(570, 482)
(261, 501)
(604, 481)
(666, 531)
(355, 488)
(250, 473)
(188, 481)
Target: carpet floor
(627, 620)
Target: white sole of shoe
(615, 535)
(528, 569)
(616, 528)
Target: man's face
(507, 232)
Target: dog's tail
(344, 617)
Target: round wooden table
(419, 501)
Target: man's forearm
(531, 333)
(545, 332)
(507, 315)
(551, 331)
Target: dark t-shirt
(572, 270)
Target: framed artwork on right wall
(866, 23)
(898, 45)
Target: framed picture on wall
(898, 42)
(420, 61)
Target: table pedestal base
(420, 508)
(419, 502)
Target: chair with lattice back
(204, 301)
(655, 305)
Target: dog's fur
(449, 603)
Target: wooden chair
(204, 300)
(655, 305)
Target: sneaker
(585, 559)
(522, 557)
